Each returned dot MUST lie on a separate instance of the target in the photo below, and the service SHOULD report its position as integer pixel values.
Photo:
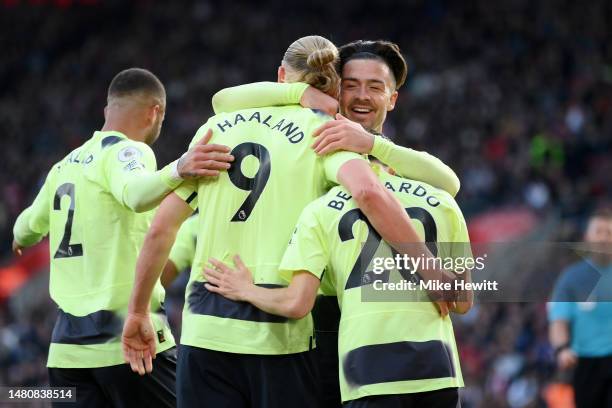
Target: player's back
(94, 242)
(389, 341)
(251, 210)
(92, 235)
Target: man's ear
(154, 112)
(391, 104)
(281, 74)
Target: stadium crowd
(516, 96)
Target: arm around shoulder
(257, 95)
(416, 165)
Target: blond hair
(313, 60)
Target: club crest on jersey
(127, 154)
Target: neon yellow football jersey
(389, 343)
(251, 210)
(183, 250)
(94, 243)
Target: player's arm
(302, 265)
(381, 208)
(169, 274)
(260, 94)
(416, 165)
(33, 223)
(465, 298)
(136, 185)
(294, 301)
(182, 253)
(461, 248)
(559, 337)
(560, 314)
(138, 338)
(344, 134)
(389, 219)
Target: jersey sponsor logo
(128, 154)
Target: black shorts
(208, 378)
(326, 316)
(593, 382)
(444, 398)
(118, 386)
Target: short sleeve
(308, 248)
(560, 311)
(183, 250)
(334, 161)
(561, 306)
(188, 192)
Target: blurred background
(515, 95)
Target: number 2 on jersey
(359, 276)
(66, 250)
(255, 184)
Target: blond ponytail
(313, 60)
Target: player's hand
(138, 342)
(445, 300)
(443, 307)
(342, 134)
(17, 249)
(204, 159)
(315, 99)
(567, 359)
(232, 283)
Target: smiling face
(367, 92)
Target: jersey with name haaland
(251, 210)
